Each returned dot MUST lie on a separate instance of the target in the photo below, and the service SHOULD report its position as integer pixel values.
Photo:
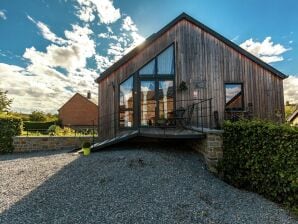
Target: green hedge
(262, 157)
(9, 126)
(38, 125)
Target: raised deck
(154, 133)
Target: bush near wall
(38, 125)
(9, 126)
(262, 157)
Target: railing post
(93, 132)
(197, 116)
(201, 117)
(210, 113)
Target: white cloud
(128, 24)
(53, 75)
(3, 15)
(104, 9)
(102, 62)
(6, 68)
(40, 84)
(46, 32)
(72, 56)
(291, 89)
(265, 50)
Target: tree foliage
(10, 127)
(37, 116)
(5, 102)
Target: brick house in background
(79, 111)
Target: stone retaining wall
(212, 149)
(27, 144)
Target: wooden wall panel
(200, 57)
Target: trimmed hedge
(9, 126)
(262, 157)
(38, 125)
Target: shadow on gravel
(140, 185)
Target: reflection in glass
(148, 69)
(166, 99)
(126, 118)
(126, 103)
(148, 103)
(234, 96)
(165, 62)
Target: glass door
(148, 103)
(156, 101)
(165, 99)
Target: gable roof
(185, 16)
(293, 116)
(77, 95)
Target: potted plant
(86, 148)
(182, 86)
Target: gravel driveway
(124, 185)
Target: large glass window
(166, 99)
(126, 103)
(234, 96)
(148, 69)
(165, 62)
(148, 103)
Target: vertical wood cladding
(201, 60)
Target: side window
(234, 96)
(126, 103)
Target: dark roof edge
(154, 36)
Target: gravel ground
(124, 185)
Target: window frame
(156, 78)
(156, 75)
(241, 109)
(133, 100)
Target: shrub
(54, 130)
(35, 125)
(10, 126)
(262, 157)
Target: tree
(37, 116)
(4, 101)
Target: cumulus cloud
(291, 89)
(46, 32)
(128, 24)
(265, 50)
(104, 9)
(73, 55)
(3, 15)
(41, 85)
(53, 75)
(102, 62)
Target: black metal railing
(189, 114)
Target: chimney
(89, 95)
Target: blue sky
(51, 49)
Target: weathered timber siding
(200, 57)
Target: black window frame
(156, 78)
(133, 100)
(241, 109)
